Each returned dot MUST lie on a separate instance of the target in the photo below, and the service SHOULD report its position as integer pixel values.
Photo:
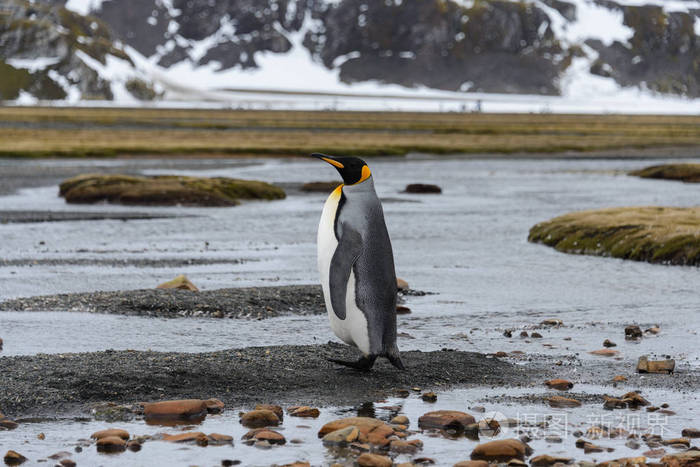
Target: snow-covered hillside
(538, 55)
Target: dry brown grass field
(110, 132)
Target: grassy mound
(165, 190)
(689, 173)
(653, 234)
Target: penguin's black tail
(395, 358)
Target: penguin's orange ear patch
(366, 173)
(334, 163)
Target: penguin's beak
(331, 160)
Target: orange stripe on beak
(334, 163)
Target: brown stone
(690, 433)
(400, 420)
(653, 330)
(214, 405)
(471, 464)
(609, 343)
(14, 458)
(547, 460)
(133, 445)
(677, 441)
(67, 463)
(655, 453)
(342, 437)
(590, 447)
(501, 450)
(189, 437)
(274, 408)
(429, 396)
(403, 447)
(263, 434)
(604, 352)
(181, 282)
(446, 419)
(619, 379)
(560, 384)
(552, 322)
(59, 455)
(401, 284)
(111, 444)
(259, 419)
(644, 365)
(624, 462)
(689, 458)
(8, 424)
(402, 310)
(559, 401)
(374, 460)
(372, 431)
(175, 409)
(218, 439)
(123, 434)
(304, 411)
(633, 332)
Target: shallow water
(64, 435)
(468, 246)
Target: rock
(423, 188)
(677, 441)
(501, 450)
(446, 420)
(133, 446)
(402, 310)
(690, 433)
(7, 424)
(123, 434)
(429, 397)
(164, 190)
(604, 352)
(185, 409)
(263, 434)
(559, 401)
(653, 330)
(552, 322)
(619, 379)
(630, 400)
(59, 455)
(67, 463)
(304, 411)
(320, 187)
(633, 332)
(644, 365)
(218, 439)
(181, 282)
(625, 462)
(490, 427)
(689, 458)
(401, 284)
(471, 464)
(189, 437)
(342, 437)
(609, 343)
(400, 420)
(297, 464)
(274, 408)
(589, 447)
(111, 444)
(14, 458)
(547, 460)
(560, 384)
(374, 460)
(1, 343)
(259, 419)
(507, 333)
(372, 431)
(523, 334)
(403, 447)
(214, 406)
(654, 453)
(536, 335)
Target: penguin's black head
(353, 169)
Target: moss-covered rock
(689, 173)
(140, 89)
(654, 234)
(165, 190)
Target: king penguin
(356, 264)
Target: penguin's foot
(363, 364)
(396, 361)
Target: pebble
(559, 401)
(609, 343)
(400, 420)
(59, 455)
(632, 332)
(536, 335)
(14, 458)
(404, 447)
(619, 379)
(174, 409)
(111, 444)
(471, 464)
(401, 284)
(423, 188)
(274, 408)
(552, 322)
(190, 437)
(560, 384)
(133, 446)
(501, 450)
(644, 365)
(429, 397)
(303, 411)
(41, 436)
(123, 434)
(402, 310)
(371, 430)
(547, 460)
(259, 419)
(374, 460)
(691, 433)
(263, 434)
(604, 352)
(214, 406)
(218, 439)
(446, 419)
(181, 282)
(67, 463)
(655, 453)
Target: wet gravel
(68, 384)
(121, 262)
(252, 302)
(13, 217)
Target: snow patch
(33, 64)
(83, 7)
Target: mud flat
(64, 384)
(665, 235)
(250, 302)
(689, 173)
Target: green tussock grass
(110, 132)
(654, 234)
(689, 173)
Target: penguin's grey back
(375, 276)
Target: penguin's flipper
(346, 253)
(363, 364)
